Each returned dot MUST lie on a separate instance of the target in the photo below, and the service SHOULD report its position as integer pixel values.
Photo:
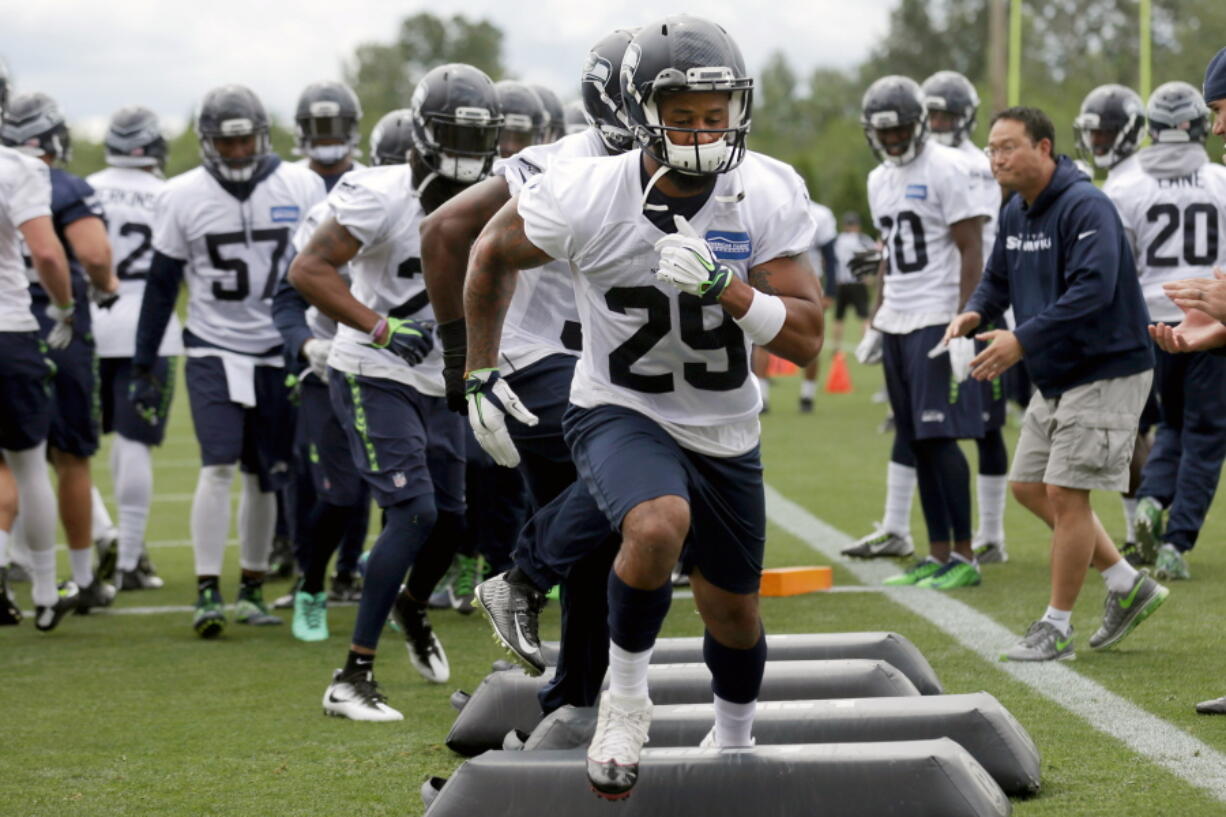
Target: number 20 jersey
(128, 196)
(913, 205)
(1177, 228)
(235, 251)
(379, 208)
(647, 345)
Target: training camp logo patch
(917, 191)
(729, 246)
(286, 212)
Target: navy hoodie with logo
(1065, 266)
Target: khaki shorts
(1084, 438)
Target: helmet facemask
(460, 146)
(237, 169)
(888, 120)
(950, 137)
(1105, 155)
(702, 157)
(338, 134)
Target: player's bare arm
(501, 251)
(968, 236)
(792, 280)
(448, 234)
(47, 255)
(315, 273)
(92, 247)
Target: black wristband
(454, 335)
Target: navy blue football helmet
(951, 93)
(891, 103)
(134, 139)
(34, 125)
(1177, 113)
(1108, 129)
(601, 91)
(225, 113)
(455, 122)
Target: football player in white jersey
(225, 228)
(1172, 207)
(385, 376)
(327, 127)
(952, 103)
(127, 190)
(1109, 128)
(25, 403)
(683, 254)
(1107, 132)
(35, 125)
(540, 346)
(929, 206)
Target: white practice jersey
(846, 246)
(542, 318)
(128, 196)
(235, 251)
(981, 169)
(827, 231)
(321, 325)
(378, 206)
(647, 345)
(25, 194)
(913, 205)
(1177, 227)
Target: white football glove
(316, 352)
(869, 351)
(490, 400)
(961, 353)
(688, 263)
(61, 333)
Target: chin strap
(655, 177)
(421, 188)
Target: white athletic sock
(734, 723)
(1130, 518)
(42, 577)
(808, 389)
(4, 548)
(211, 518)
(37, 516)
(953, 554)
(82, 562)
(628, 672)
(1120, 577)
(899, 491)
(132, 469)
(1062, 620)
(101, 525)
(991, 492)
(257, 522)
(764, 386)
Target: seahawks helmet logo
(597, 70)
(630, 64)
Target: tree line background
(812, 120)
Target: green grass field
(134, 715)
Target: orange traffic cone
(839, 381)
(778, 367)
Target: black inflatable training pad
(892, 647)
(978, 722)
(506, 701)
(922, 778)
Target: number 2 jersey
(378, 206)
(542, 318)
(647, 346)
(1175, 219)
(128, 196)
(235, 251)
(914, 205)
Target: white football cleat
(358, 698)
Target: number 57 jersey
(671, 356)
(235, 251)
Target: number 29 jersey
(667, 354)
(380, 209)
(235, 251)
(913, 205)
(1176, 225)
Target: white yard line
(1148, 735)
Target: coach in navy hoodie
(1061, 260)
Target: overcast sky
(95, 57)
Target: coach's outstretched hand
(490, 400)
(1197, 332)
(409, 339)
(1206, 294)
(961, 326)
(145, 394)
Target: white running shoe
(358, 698)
